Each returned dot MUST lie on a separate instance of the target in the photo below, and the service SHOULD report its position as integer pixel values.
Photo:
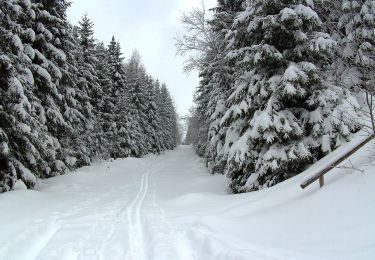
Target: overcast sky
(148, 26)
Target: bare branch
(349, 165)
(198, 41)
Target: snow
(24, 128)
(287, 14)
(42, 72)
(307, 12)
(20, 185)
(59, 54)
(30, 34)
(323, 43)
(4, 148)
(293, 73)
(169, 207)
(24, 173)
(70, 160)
(40, 27)
(28, 76)
(17, 43)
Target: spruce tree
(281, 114)
(357, 54)
(159, 109)
(168, 116)
(192, 127)
(89, 84)
(105, 107)
(116, 103)
(27, 149)
(49, 60)
(136, 107)
(153, 122)
(358, 43)
(220, 81)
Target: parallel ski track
(136, 250)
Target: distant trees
(270, 100)
(66, 99)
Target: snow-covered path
(168, 207)
(106, 211)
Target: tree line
(67, 99)
(283, 83)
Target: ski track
(136, 249)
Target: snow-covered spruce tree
(201, 99)
(116, 102)
(27, 149)
(77, 108)
(135, 116)
(48, 68)
(88, 82)
(168, 117)
(153, 123)
(193, 126)
(159, 109)
(221, 81)
(281, 114)
(15, 114)
(105, 107)
(357, 53)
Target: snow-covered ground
(169, 207)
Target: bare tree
(199, 42)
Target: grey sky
(148, 26)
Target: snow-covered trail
(106, 211)
(168, 207)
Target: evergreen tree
(358, 43)
(27, 149)
(49, 64)
(105, 110)
(136, 107)
(202, 99)
(357, 54)
(192, 127)
(168, 115)
(153, 122)
(220, 81)
(281, 114)
(159, 109)
(116, 103)
(89, 85)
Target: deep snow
(169, 207)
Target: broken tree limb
(320, 174)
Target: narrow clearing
(168, 207)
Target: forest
(68, 99)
